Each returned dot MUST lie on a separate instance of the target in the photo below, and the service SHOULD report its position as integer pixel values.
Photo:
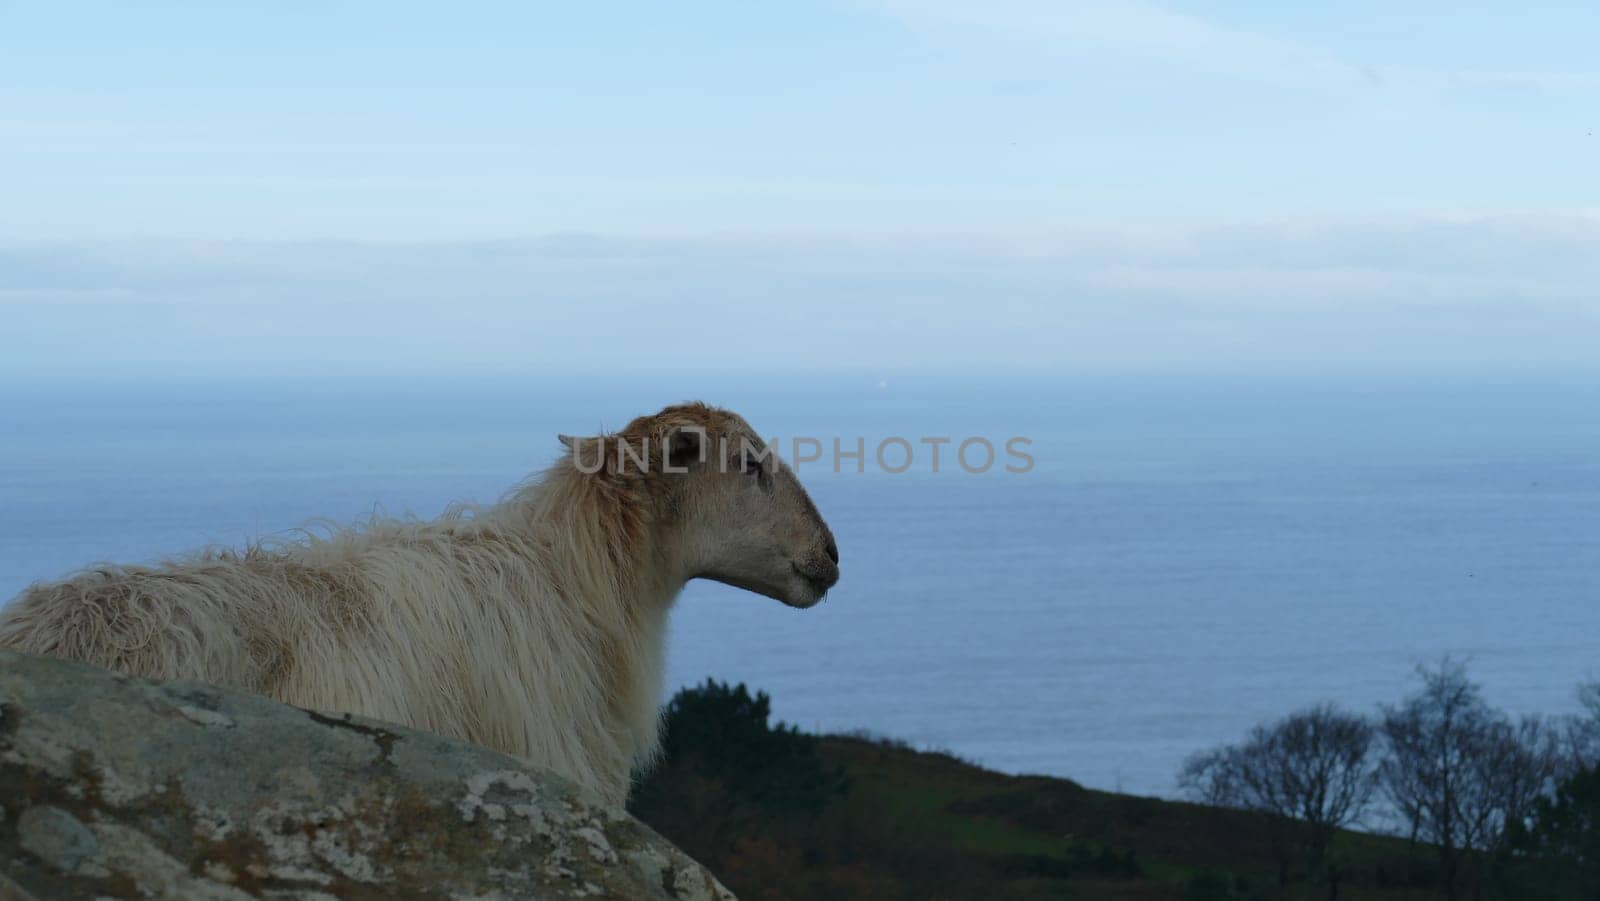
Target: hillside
(779, 814)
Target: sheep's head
(731, 509)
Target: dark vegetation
(1499, 807)
(778, 813)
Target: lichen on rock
(119, 787)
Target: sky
(1006, 182)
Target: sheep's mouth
(819, 582)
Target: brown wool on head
(640, 449)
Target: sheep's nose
(833, 551)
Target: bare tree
(1521, 763)
(1589, 697)
(1312, 769)
(1211, 777)
(1458, 772)
(1583, 732)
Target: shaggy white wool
(535, 626)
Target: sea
(1184, 556)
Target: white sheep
(535, 626)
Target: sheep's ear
(588, 454)
(686, 447)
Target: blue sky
(1212, 158)
(477, 120)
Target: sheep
(535, 626)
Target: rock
(119, 787)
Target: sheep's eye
(755, 466)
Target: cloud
(1515, 291)
(1129, 25)
(1149, 29)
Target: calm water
(1187, 557)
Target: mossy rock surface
(119, 787)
